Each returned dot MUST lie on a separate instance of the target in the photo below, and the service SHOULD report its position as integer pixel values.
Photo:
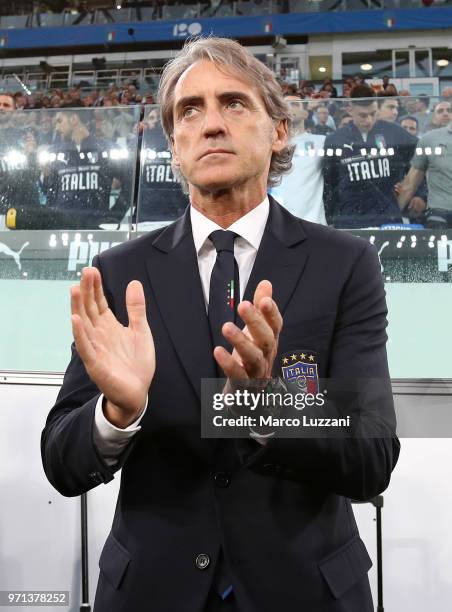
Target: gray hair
(237, 59)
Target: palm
(120, 360)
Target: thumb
(136, 306)
(263, 290)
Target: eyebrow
(223, 97)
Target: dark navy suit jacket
(281, 512)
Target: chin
(216, 182)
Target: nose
(214, 122)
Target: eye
(188, 112)
(235, 104)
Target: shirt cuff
(110, 440)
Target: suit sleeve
(358, 466)
(70, 457)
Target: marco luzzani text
(243, 400)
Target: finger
(78, 308)
(87, 293)
(261, 333)
(273, 317)
(230, 366)
(136, 306)
(82, 343)
(248, 352)
(264, 289)
(99, 296)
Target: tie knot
(223, 240)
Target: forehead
(360, 108)
(205, 78)
(391, 103)
(443, 106)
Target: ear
(280, 136)
(175, 158)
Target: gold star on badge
(294, 357)
(303, 356)
(285, 360)
(311, 357)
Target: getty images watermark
(266, 408)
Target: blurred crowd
(368, 160)
(129, 93)
(416, 114)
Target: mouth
(215, 152)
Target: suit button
(202, 561)
(221, 479)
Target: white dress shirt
(111, 440)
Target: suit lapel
(174, 275)
(281, 257)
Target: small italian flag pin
(111, 36)
(268, 27)
(390, 22)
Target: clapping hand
(119, 360)
(256, 346)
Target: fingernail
(230, 329)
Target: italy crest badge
(299, 368)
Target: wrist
(119, 417)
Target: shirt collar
(250, 227)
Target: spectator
(329, 87)
(346, 89)
(20, 100)
(433, 160)
(422, 113)
(307, 89)
(407, 104)
(345, 119)
(388, 108)
(312, 107)
(410, 124)
(160, 196)
(391, 90)
(323, 121)
(447, 93)
(363, 162)
(441, 115)
(385, 82)
(45, 133)
(19, 172)
(301, 190)
(79, 182)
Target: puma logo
(4, 248)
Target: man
(19, 172)
(362, 164)
(301, 190)
(422, 113)
(250, 525)
(323, 121)
(388, 108)
(410, 124)
(441, 115)
(80, 178)
(160, 197)
(432, 160)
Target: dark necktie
(224, 296)
(224, 291)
